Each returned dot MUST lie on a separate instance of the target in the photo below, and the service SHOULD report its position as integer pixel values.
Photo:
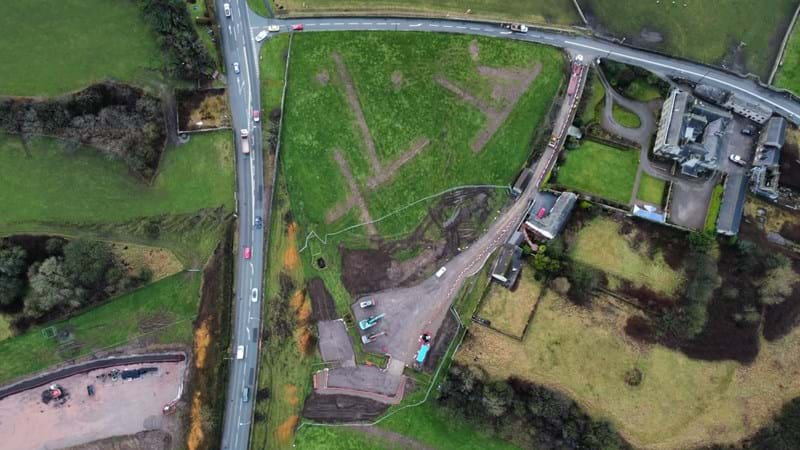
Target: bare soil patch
(508, 87)
(144, 440)
(355, 197)
(286, 429)
(323, 78)
(474, 50)
(397, 79)
(202, 109)
(291, 257)
(323, 306)
(341, 408)
(355, 106)
(444, 336)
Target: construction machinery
(370, 321)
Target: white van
(240, 352)
(441, 272)
(261, 36)
(227, 8)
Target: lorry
(422, 353)
(245, 142)
(240, 352)
(515, 27)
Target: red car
(297, 27)
(256, 115)
(247, 253)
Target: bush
(583, 281)
(12, 269)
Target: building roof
(774, 133)
(711, 93)
(508, 264)
(646, 213)
(767, 156)
(555, 216)
(733, 197)
(523, 180)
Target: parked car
(254, 295)
(748, 130)
(736, 159)
(274, 28)
(227, 8)
(247, 253)
(367, 303)
(297, 27)
(236, 67)
(256, 115)
(261, 36)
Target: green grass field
(642, 91)
(47, 184)
(52, 47)
(788, 76)
(625, 117)
(600, 244)
(508, 310)
(593, 103)
(598, 169)
(713, 208)
(651, 189)
(558, 12)
(318, 119)
(323, 438)
(111, 324)
(705, 31)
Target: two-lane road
(243, 92)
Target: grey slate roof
(556, 216)
(508, 265)
(774, 133)
(732, 208)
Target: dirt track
(118, 408)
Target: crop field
(559, 12)
(599, 244)
(741, 34)
(680, 402)
(54, 47)
(509, 311)
(51, 184)
(410, 125)
(651, 189)
(599, 169)
(161, 312)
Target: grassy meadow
(651, 189)
(509, 310)
(170, 303)
(705, 31)
(318, 119)
(601, 170)
(625, 117)
(53, 47)
(788, 76)
(680, 402)
(555, 12)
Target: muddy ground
(202, 109)
(341, 408)
(452, 223)
(445, 334)
(322, 304)
(144, 440)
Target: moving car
(227, 8)
(240, 352)
(236, 67)
(254, 295)
(247, 253)
(256, 115)
(515, 27)
(259, 222)
(273, 28)
(297, 27)
(736, 159)
(261, 36)
(246, 394)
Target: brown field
(680, 402)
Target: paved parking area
(117, 408)
(335, 344)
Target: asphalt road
(243, 93)
(238, 46)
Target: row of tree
(189, 57)
(71, 275)
(529, 415)
(119, 119)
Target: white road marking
(311, 25)
(381, 23)
(690, 72)
(433, 25)
(487, 29)
(549, 38)
(414, 25)
(338, 23)
(462, 28)
(366, 23)
(447, 26)
(505, 32)
(325, 24)
(475, 29)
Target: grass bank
(159, 313)
(556, 12)
(625, 117)
(54, 47)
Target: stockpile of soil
(322, 305)
(121, 120)
(442, 340)
(341, 408)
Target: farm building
(766, 165)
(508, 265)
(549, 213)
